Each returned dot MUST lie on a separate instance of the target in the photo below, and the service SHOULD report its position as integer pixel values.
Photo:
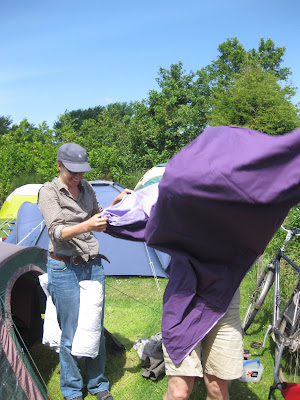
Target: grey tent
(22, 302)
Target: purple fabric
(135, 207)
(127, 219)
(221, 200)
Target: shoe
(104, 395)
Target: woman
(71, 212)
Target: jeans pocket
(58, 266)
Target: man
(218, 358)
(221, 199)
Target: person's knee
(179, 388)
(217, 389)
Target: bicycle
(285, 326)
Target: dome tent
(153, 175)
(25, 193)
(10, 207)
(20, 295)
(22, 303)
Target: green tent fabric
(21, 305)
(19, 196)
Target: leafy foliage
(5, 123)
(123, 140)
(255, 99)
(28, 156)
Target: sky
(58, 55)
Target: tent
(154, 175)
(126, 257)
(16, 198)
(9, 209)
(22, 302)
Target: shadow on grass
(116, 360)
(241, 390)
(47, 360)
(237, 391)
(258, 327)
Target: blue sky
(59, 55)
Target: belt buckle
(76, 260)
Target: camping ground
(133, 311)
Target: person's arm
(95, 223)
(117, 199)
(49, 206)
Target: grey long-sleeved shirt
(59, 209)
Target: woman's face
(69, 178)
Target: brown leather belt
(76, 260)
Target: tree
(28, 156)
(169, 118)
(234, 59)
(231, 61)
(249, 88)
(269, 58)
(255, 99)
(5, 123)
(78, 116)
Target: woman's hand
(97, 223)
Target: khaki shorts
(221, 350)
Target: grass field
(133, 310)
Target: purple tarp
(221, 200)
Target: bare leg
(217, 389)
(179, 387)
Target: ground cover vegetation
(133, 311)
(241, 87)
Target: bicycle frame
(277, 297)
(277, 317)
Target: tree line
(241, 87)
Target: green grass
(3, 225)
(133, 310)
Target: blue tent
(126, 257)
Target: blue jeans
(63, 285)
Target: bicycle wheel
(289, 369)
(258, 296)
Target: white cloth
(87, 336)
(88, 333)
(51, 329)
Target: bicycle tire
(289, 369)
(258, 297)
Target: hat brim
(77, 167)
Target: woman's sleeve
(49, 206)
